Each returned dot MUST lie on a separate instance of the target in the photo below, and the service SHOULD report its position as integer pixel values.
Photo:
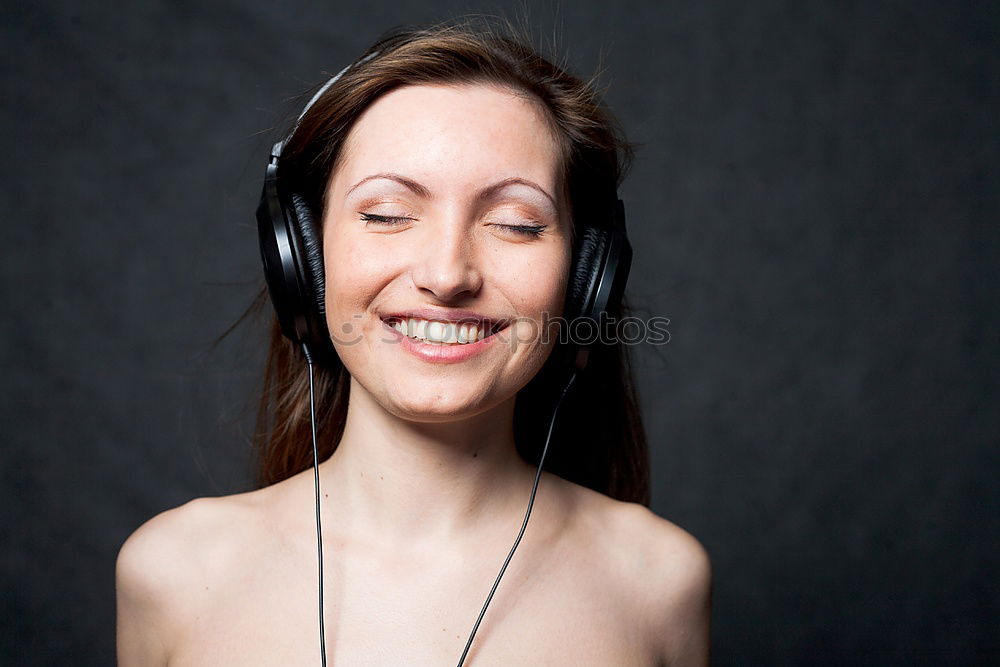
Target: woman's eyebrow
(484, 194)
(491, 190)
(412, 185)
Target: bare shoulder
(166, 568)
(664, 552)
(176, 542)
(665, 571)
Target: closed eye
(385, 219)
(525, 230)
(531, 231)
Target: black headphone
(292, 253)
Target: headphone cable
(319, 523)
(527, 515)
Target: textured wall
(814, 207)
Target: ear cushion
(314, 275)
(588, 253)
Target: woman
(450, 172)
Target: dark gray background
(814, 208)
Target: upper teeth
(440, 332)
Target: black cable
(319, 523)
(527, 514)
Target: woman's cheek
(549, 274)
(540, 307)
(346, 289)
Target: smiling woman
(456, 194)
(459, 171)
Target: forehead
(462, 134)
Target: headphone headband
(280, 145)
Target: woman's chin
(433, 407)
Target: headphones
(292, 252)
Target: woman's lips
(441, 352)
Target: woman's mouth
(437, 332)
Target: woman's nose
(448, 269)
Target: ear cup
(601, 263)
(308, 250)
(585, 271)
(292, 253)
(314, 275)
(278, 244)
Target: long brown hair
(599, 441)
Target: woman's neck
(413, 481)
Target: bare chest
(550, 609)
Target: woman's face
(446, 209)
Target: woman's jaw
(427, 381)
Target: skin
(425, 493)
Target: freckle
(381, 477)
(475, 454)
(326, 495)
